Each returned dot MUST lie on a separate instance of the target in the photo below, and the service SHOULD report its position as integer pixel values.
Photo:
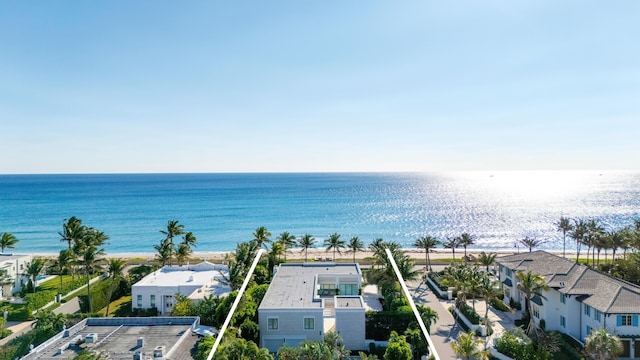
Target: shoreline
(315, 253)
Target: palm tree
(578, 234)
(189, 239)
(173, 230)
(530, 284)
(261, 236)
(531, 243)
(165, 251)
(618, 240)
(8, 241)
(486, 289)
(564, 225)
(460, 277)
(452, 243)
(468, 348)
(62, 264)
(427, 243)
(48, 322)
(594, 231)
(465, 240)
(88, 251)
(428, 316)
(601, 345)
(487, 259)
(306, 241)
(33, 269)
(287, 240)
(182, 253)
(334, 242)
(115, 267)
(355, 245)
(72, 230)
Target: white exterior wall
(15, 267)
(290, 327)
(350, 324)
(164, 296)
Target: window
(153, 301)
(563, 298)
(139, 301)
(587, 310)
(348, 289)
(508, 272)
(536, 311)
(563, 321)
(588, 330)
(309, 323)
(272, 323)
(597, 315)
(626, 320)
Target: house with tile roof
(579, 298)
(305, 301)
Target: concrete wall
(290, 326)
(350, 324)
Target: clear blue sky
(210, 86)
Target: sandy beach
(318, 254)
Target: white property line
(416, 313)
(235, 304)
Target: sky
(305, 86)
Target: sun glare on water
(531, 186)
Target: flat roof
(188, 275)
(293, 285)
(352, 302)
(118, 338)
(7, 257)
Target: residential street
(445, 330)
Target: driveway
(445, 330)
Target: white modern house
(158, 289)
(305, 301)
(13, 273)
(579, 300)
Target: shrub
(378, 325)
(499, 305)
(470, 314)
(37, 300)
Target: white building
(157, 290)
(305, 301)
(579, 299)
(14, 268)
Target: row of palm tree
(84, 250)
(286, 241)
(593, 234)
(168, 249)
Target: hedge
(470, 314)
(99, 297)
(39, 299)
(379, 325)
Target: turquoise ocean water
(224, 209)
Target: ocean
(498, 208)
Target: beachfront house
(305, 301)
(13, 273)
(158, 289)
(579, 300)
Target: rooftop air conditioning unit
(91, 338)
(159, 351)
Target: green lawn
(68, 283)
